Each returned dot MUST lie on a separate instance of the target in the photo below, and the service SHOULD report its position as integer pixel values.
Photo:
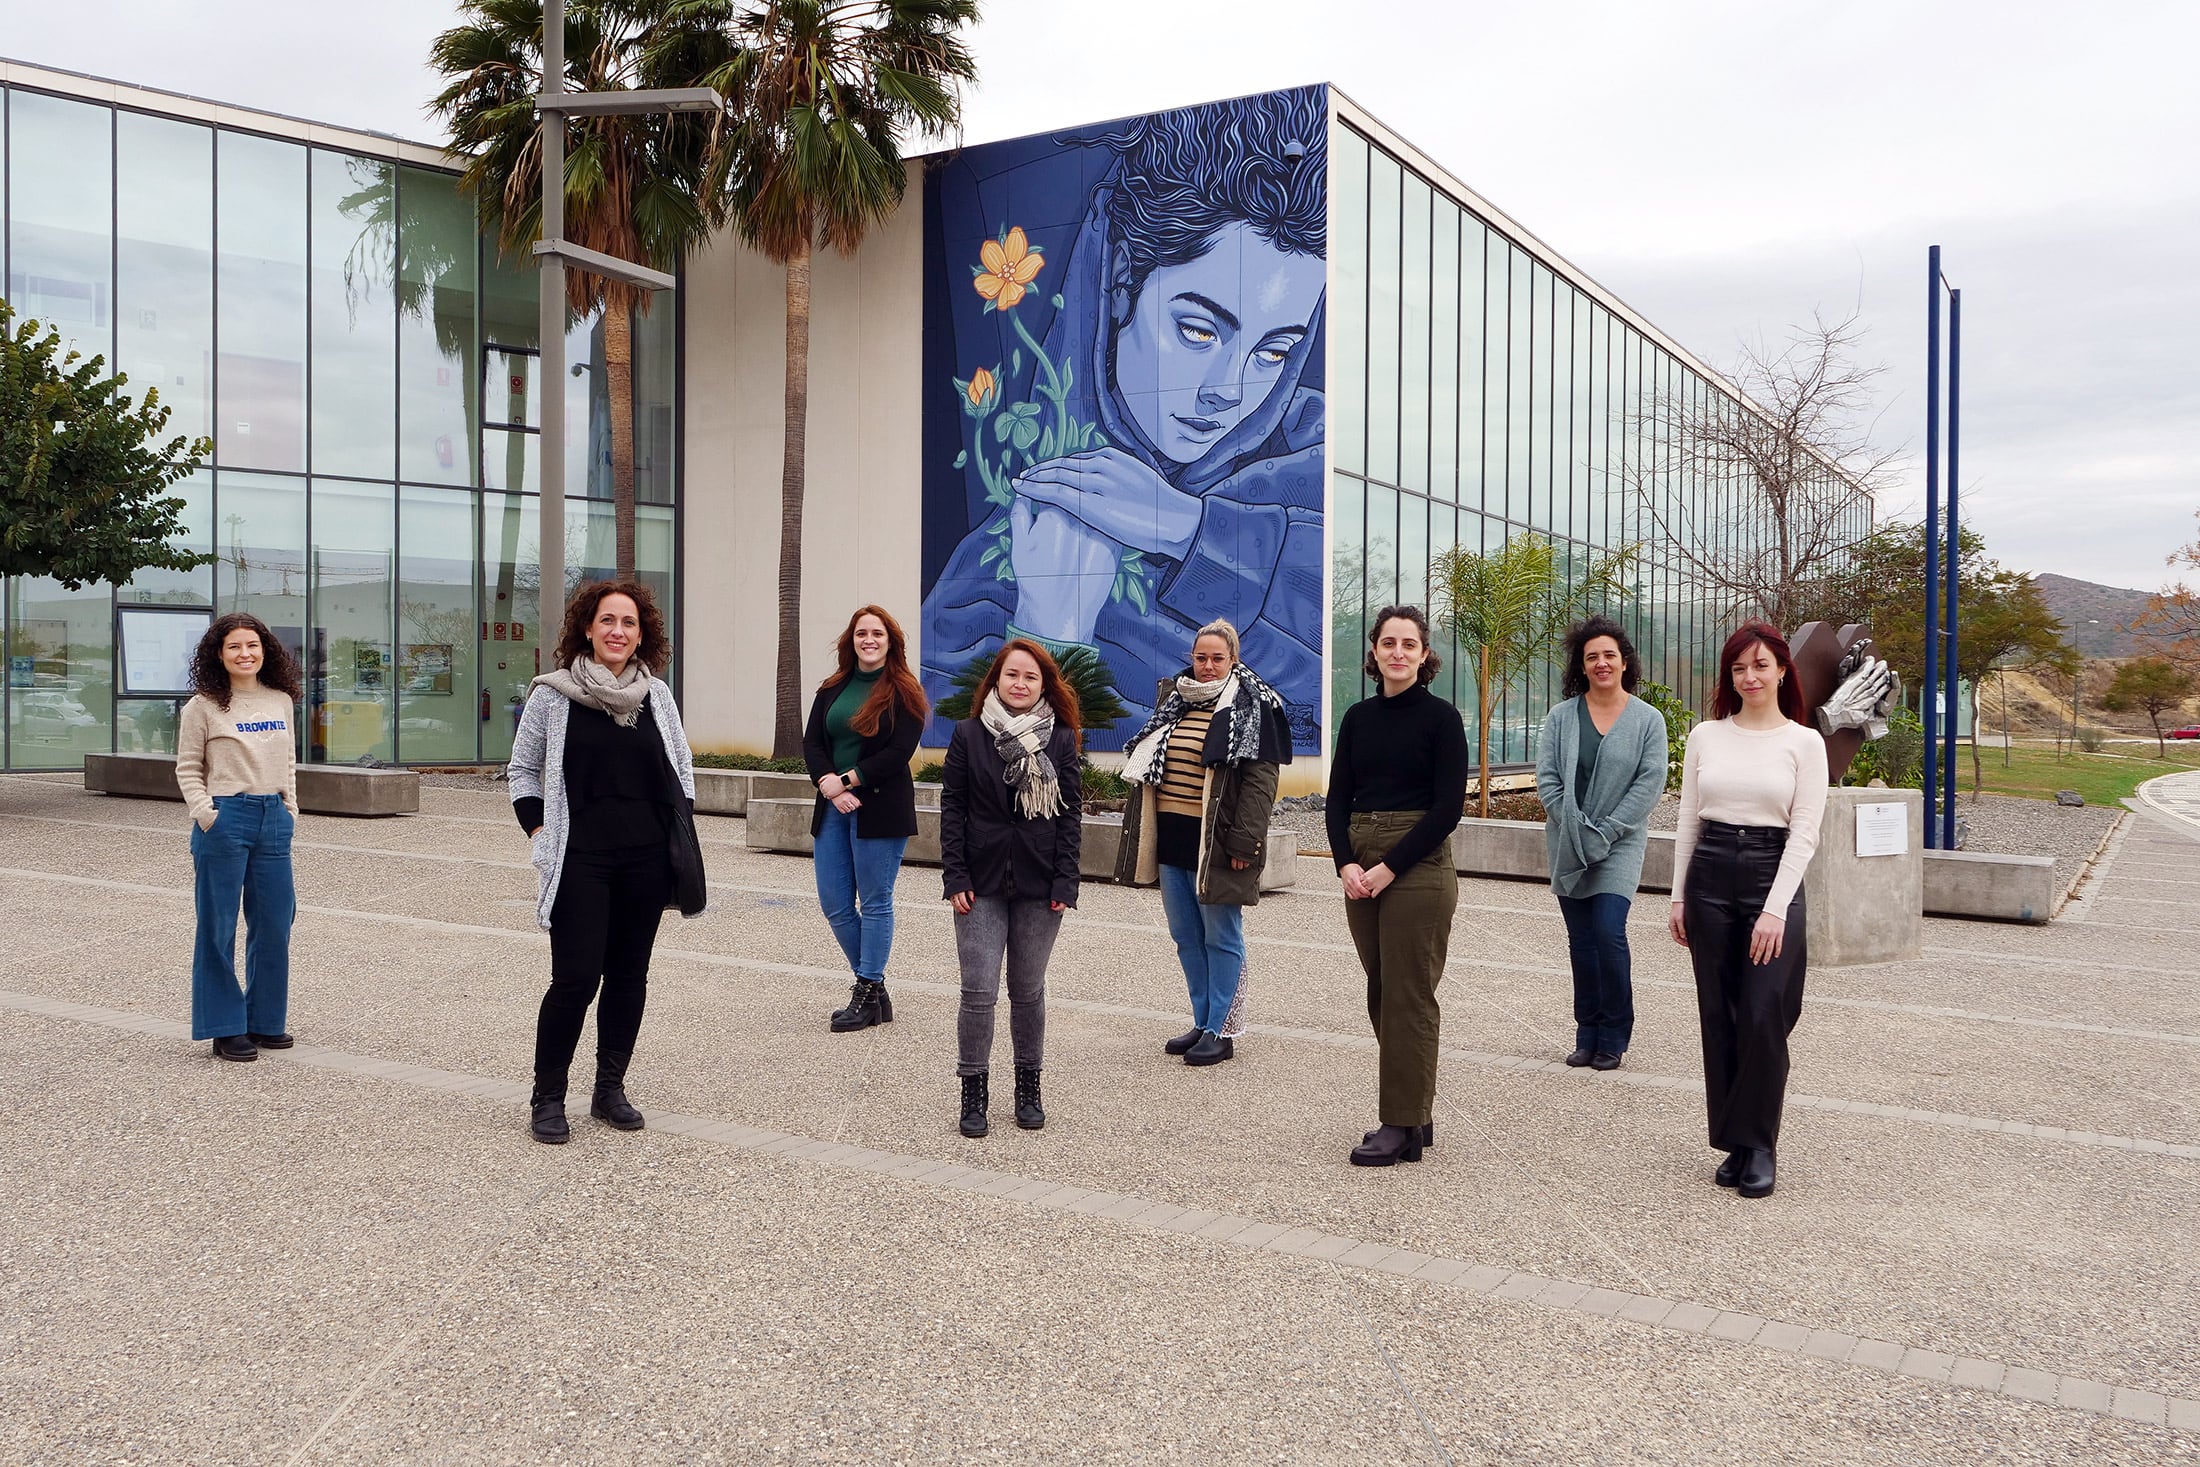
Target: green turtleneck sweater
(839, 728)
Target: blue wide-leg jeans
(855, 886)
(1210, 943)
(1604, 987)
(244, 857)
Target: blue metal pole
(1950, 668)
(1928, 694)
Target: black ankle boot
(868, 1004)
(1729, 1173)
(609, 1103)
(1028, 1114)
(1212, 1049)
(1388, 1145)
(548, 1104)
(1428, 1133)
(975, 1099)
(1757, 1171)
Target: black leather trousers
(1747, 1009)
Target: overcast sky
(1725, 168)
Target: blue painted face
(1213, 335)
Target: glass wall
(1481, 394)
(365, 364)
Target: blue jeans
(1210, 943)
(1604, 988)
(246, 856)
(855, 886)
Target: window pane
(1382, 548)
(354, 316)
(1520, 421)
(261, 384)
(1580, 370)
(1540, 422)
(348, 685)
(164, 204)
(1497, 374)
(1413, 551)
(181, 588)
(60, 217)
(60, 672)
(1473, 302)
(1443, 302)
(1348, 307)
(440, 708)
(1382, 318)
(510, 574)
(1348, 596)
(435, 291)
(1413, 340)
(656, 399)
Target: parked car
(2186, 733)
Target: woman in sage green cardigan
(1601, 768)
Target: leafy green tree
(85, 474)
(2153, 686)
(1510, 606)
(633, 184)
(820, 94)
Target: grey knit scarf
(1021, 740)
(585, 681)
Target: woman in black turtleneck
(1397, 785)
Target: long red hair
(1725, 703)
(1053, 687)
(897, 692)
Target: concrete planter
(784, 826)
(323, 789)
(728, 791)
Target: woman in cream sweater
(1753, 793)
(237, 764)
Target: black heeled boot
(1729, 1173)
(1028, 1113)
(1756, 1175)
(1388, 1145)
(868, 1004)
(609, 1103)
(548, 1106)
(1428, 1133)
(975, 1100)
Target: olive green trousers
(1402, 937)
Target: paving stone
(2183, 1415)
(1189, 1222)
(1877, 1355)
(1257, 1235)
(1345, 1250)
(1155, 1216)
(1561, 1294)
(1401, 1261)
(1826, 1344)
(1603, 1302)
(1294, 1241)
(2131, 1405)
(1225, 1228)
(1983, 1375)
(1926, 1364)
(1733, 1326)
(1483, 1278)
(2085, 1395)
(1440, 1270)
(1690, 1318)
(2031, 1385)
(1520, 1286)
(1780, 1335)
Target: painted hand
(1064, 571)
(1120, 497)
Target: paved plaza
(1982, 1246)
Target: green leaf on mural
(962, 458)
(1003, 426)
(997, 526)
(991, 555)
(1057, 303)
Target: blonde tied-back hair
(1220, 627)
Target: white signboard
(157, 647)
(1882, 830)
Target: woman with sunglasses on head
(863, 730)
(1011, 832)
(1753, 792)
(1600, 767)
(1397, 787)
(237, 765)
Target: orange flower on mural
(1007, 266)
(982, 387)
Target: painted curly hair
(656, 648)
(278, 666)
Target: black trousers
(1748, 1010)
(602, 927)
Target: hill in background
(2094, 615)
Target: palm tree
(632, 184)
(818, 95)
(1510, 606)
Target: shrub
(2089, 739)
(1899, 758)
(1679, 718)
(756, 762)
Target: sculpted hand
(1120, 497)
(1064, 571)
(1860, 701)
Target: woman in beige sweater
(237, 764)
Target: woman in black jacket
(1011, 823)
(863, 730)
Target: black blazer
(985, 846)
(884, 784)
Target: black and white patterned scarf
(1242, 703)
(1021, 740)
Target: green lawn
(2106, 778)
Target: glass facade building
(1481, 388)
(322, 307)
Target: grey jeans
(1023, 932)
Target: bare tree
(2171, 623)
(1799, 454)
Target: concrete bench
(784, 826)
(1994, 887)
(728, 791)
(323, 789)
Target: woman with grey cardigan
(1601, 767)
(604, 783)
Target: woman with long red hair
(863, 731)
(1011, 832)
(1753, 792)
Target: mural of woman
(1165, 466)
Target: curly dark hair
(1578, 638)
(278, 665)
(1430, 665)
(656, 648)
